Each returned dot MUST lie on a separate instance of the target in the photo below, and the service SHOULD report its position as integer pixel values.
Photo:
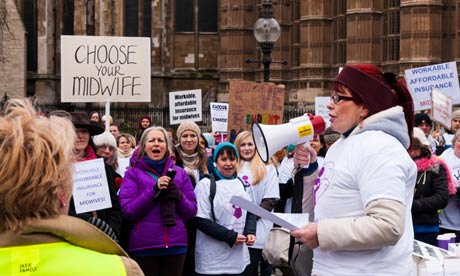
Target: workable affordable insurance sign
(105, 69)
(422, 80)
(90, 186)
(185, 106)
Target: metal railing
(128, 117)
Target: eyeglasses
(337, 98)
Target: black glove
(173, 192)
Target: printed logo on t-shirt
(245, 179)
(323, 180)
(455, 173)
(237, 213)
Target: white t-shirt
(267, 188)
(448, 139)
(285, 170)
(450, 216)
(213, 256)
(359, 169)
(433, 143)
(123, 164)
(285, 173)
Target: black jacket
(430, 195)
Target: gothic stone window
(204, 11)
(138, 18)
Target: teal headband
(220, 146)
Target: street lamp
(266, 31)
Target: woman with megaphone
(364, 191)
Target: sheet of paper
(297, 220)
(259, 211)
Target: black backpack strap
(242, 183)
(212, 194)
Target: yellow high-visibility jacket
(62, 246)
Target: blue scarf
(219, 176)
(157, 166)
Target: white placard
(105, 69)
(219, 117)
(442, 108)
(321, 109)
(420, 81)
(185, 106)
(90, 186)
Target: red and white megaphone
(271, 138)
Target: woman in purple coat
(157, 205)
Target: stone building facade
(205, 43)
(12, 54)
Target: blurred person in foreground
(36, 235)
(364, 191)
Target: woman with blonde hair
(36, 235)
(261, 181)
(125, 145)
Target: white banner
(90, 186)
(420, 81)
(185, 106)
(219, 117)
(442, 108)
(321, 109)
(105, 69)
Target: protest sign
(321, 108)
(90, 186)
(105, 69)
(420, 81)
(254, 102)
(185, 106)
(442, 108)
(219, 117)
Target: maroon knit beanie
(368, 84)
(377, 91)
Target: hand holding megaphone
(271, 138)
(304, 155)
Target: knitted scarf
(425, 163)
(125, 154)
(191, 161)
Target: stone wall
(12, 53)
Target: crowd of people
(379, 177)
